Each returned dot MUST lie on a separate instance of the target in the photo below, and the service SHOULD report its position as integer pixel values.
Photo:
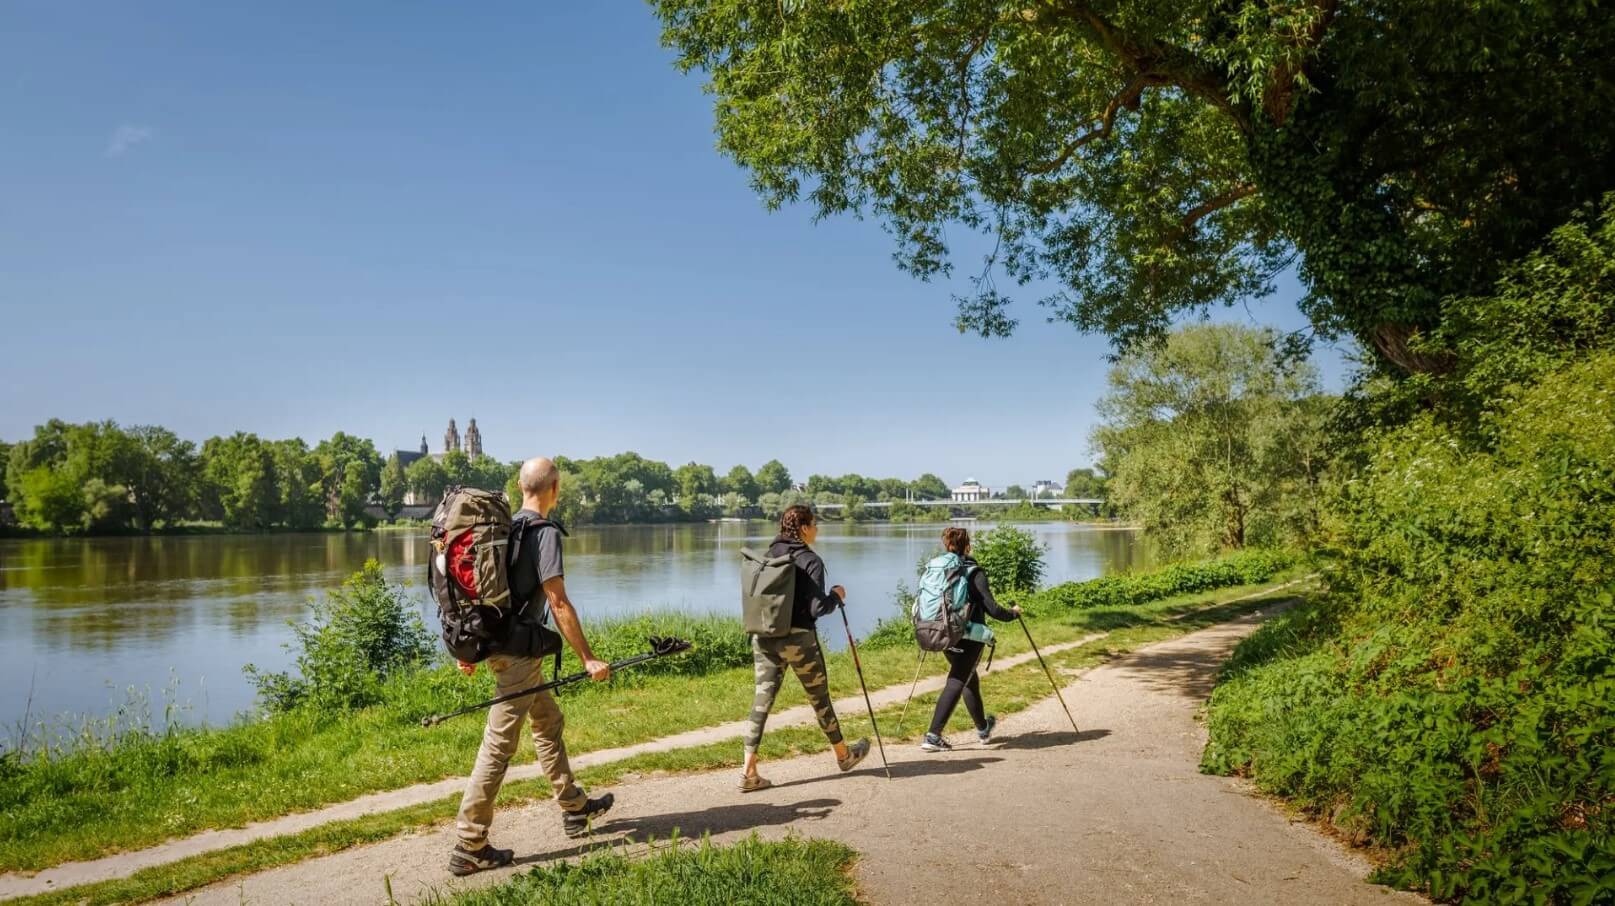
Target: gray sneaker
(934, 743)
(986, 733)
(751, 783)
(855, 753)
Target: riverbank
(107, 795)
(1012, 689)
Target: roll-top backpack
(942, 606)
(767, 593)
(474, 546)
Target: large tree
(1204, 438)
(1157, 158)
(773, 478)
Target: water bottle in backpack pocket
(942, 606)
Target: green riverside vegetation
(790, 872)
(1452, 700)
(1012, 690)
(98, 793)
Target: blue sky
(293, 218)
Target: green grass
(790, 872)
(1007, 691)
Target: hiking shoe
(576, 824)
(464, 862)
(934, 743)
(855, 753)
(986, 733)
(751, 783)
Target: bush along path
(220, 853)
(1116, 813)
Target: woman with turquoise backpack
(966, 653)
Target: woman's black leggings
(962, 680)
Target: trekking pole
(660, 647)
(857, 665)
(1047, 672)
(911, 686)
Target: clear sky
(299, 218)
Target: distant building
(451, 444)
(1046, 488)
(970, 492)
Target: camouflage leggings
(800, 649)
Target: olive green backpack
(767, 593)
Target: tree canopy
(1153, 159)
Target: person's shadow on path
(721, 819)
(1045, 739)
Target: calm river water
(86, 623)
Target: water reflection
(82, 620)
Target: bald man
(537, 570)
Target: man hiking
(536, 577)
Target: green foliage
(1012, 557)
(1213, 440)
(1454, 698)
(1244, 568)
(789, 872)
(1155, 159)
(354, 639)
(773, 478)
(394, 485)
(740, 481)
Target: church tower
(473, 440)
(451, 438)
(424, 450)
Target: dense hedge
(1453, 699)
(1242, 568)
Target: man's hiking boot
(464, 862)
(934, 743)
(576, 824)
(986, 733)
(751, 783)
(855, 753)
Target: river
(89, 625)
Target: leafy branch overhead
(1153, 159)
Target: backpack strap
(519, 529)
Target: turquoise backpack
(942, 606)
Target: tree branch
(1211, 206)
(1127, 97)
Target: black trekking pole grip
(660, 647)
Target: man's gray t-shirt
(538, 561)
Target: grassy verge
(1007, 691)
(138, 789)
(791, 872)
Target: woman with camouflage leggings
(799, 649)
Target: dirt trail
(1115, 814)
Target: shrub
(1454, 697)
(354, 639)
(1244, 568)
(1012, 557)
(898, 630)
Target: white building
(1046, 488)
(970, 492)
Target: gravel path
(1117, 813)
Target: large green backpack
(767, 593)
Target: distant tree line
(100, 477)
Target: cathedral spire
(451, 438)
(473, 440)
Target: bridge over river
(996, 501)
